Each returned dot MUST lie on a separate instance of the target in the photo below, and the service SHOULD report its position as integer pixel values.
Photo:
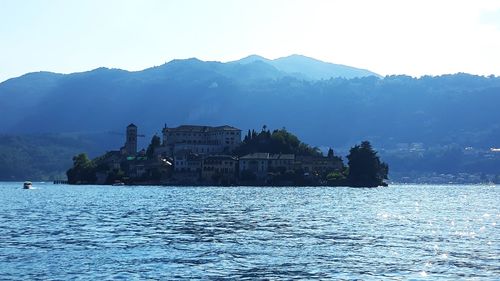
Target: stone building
(221, 169)
(281, 162)
(186, 161)
(317, 165)
(260, 164)
(131, 140)
(256, 163)
(200, 139)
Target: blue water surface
(400, 232)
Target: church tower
(165, 132)
(131, 141)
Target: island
(217, 156)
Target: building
(187, 162)
(201, 139)
(318, 165)
(256, 164)
(131, 140)
(281, 162)
(260, 164)
(220, 169)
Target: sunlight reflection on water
(403, 232)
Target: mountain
(42, 156)
(309, 68)
(52, 103)
(445, 123)
(251, 58)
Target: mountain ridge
(439, 116)
(310, 68)
(276, 63)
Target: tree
(365, 168)
(336, 178)
(497, 179)
(155, 143)
(279, 141)
(330, 153)
(83, 170)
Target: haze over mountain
(53, 102)
(443, 114)
(309, 68)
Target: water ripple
(59, 232)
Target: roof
(220, 157)
(131, 125)
(258, 155)
(199, 128)
(226, 128)
(282, 156)
(268, 156)
(315, 159)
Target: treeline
(280, 141)
(443, 110)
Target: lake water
(61, 232)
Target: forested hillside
(420, 118)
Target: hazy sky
(414, 37)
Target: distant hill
(187, 90)
(308, 68)
(42, 156)
(442, 114)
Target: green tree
(279, 141)
(83, 170)
(365, 168)
(336, 178)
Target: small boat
(27, 185)
(118, 183)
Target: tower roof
(131, 125)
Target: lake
(400, 232)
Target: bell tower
(165, 132)
(131, 141)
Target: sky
(413, 37)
